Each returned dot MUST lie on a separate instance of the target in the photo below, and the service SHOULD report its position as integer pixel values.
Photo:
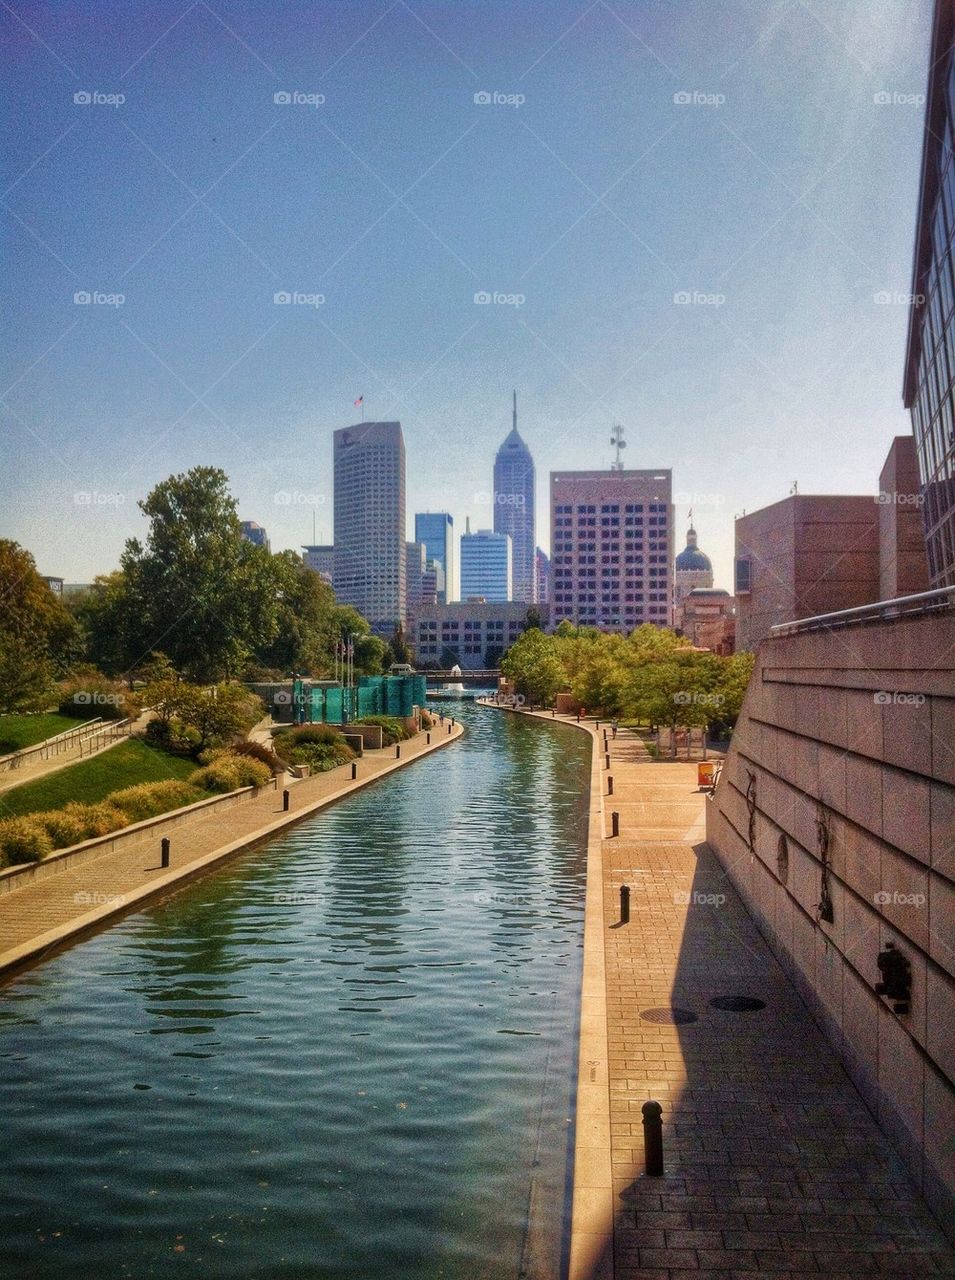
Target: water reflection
(348, 1053)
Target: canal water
(349, 1053)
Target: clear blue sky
(783, 193)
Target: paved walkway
(45, 912)
(774, 1167)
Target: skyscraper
(514, 509)
(929, 390)
(254, 533)
(611, 547)
(486, 567)
(369, 466)
(436, 530)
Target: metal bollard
(624, 904)
(449, 728)
(653, 1139)
(285, 799)
(354, 770)
(609, 784)
(615, 823)
(597, 724)
(427, 739)
(452, 719)
(578, 717)
(607, 760)
(397, 750)
(164, 852)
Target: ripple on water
(335, 1056)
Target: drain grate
(668, 1016)
(738, 1004)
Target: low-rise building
(700, 609)
(470, 633)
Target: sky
(694, 218)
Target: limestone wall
(839, 791)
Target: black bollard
(427, 739)
(653, 1139)
(624, 904)
(164, 852)
(397, 750)
(449, 728)
(452, 719)
(609, 784)
(354, 770)
(615, 823)
(578, 717)
(285, 801)
(597, 724)
(607, 760)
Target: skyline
(790, 206)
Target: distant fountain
(454, 688)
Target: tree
(38, 636)
(400, 651)
(112, 625)
(533, 619)
(218, 714)
(534, 667)
(205, 595)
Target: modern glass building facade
(514, 510)
(436, 530)
(929, 391)
(486, 566)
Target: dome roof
(691, 558)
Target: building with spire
(514, 509)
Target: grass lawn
(94, 779)
(18, 731)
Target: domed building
(692, 569)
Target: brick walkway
(774, 1167)
(69, 901)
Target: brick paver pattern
(773, 1165)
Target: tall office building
(514, 509)
(486, 566)
(369, 574)
(930, 357)
(414, 574)
(436, 530)
(541, 576)
(254, 533)
(611, 548)
(321, 559)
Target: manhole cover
(668, 1016)
(738, 1004)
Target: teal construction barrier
(373, 696)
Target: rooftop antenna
(617, 440)
(514, 413)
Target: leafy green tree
(399, 649)
(533, 665)
(217, 714)
(206, 596)
(112, 625)
(38, 635)
(533, 619)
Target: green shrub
(149, 799)
(220, 777)
(63, 829)
(173, 735)
(287, 741)
(23, 840)
(322, 756)
(95, 819)
(252, 773)
(392, 729)
(259, 751)
(93, 694)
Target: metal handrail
(50, 745)
(880, 610)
